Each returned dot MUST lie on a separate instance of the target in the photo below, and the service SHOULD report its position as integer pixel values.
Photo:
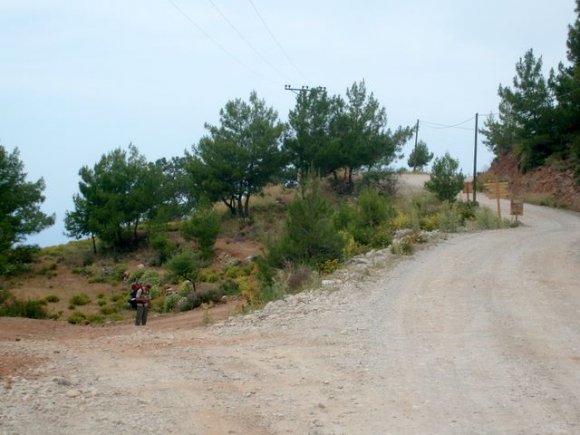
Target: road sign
(517, 207)
(497, 190)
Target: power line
(248, 43)
(439, 126)
(274, 38)
(212, 40)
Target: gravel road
(478, 334)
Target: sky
(81, 78)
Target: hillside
(478, 334)
(553, 184)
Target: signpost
(516, 208)
(497, 190)
(467, 188)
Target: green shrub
(137, 275)
(186, 265)
(48, 270)
(449, 218)
(77, 318)
(466, 209)
(384, 182)
(373, 208)
(80, 299)
(230, 287)
(486, 219)
(101, 302)
(203, 226)
(52, 299)
(264, 272)
(309, 235)
(210, 276)
(237, 271)
(116, 317)
(403, 246)
(170, 302)
(329, 266)
(107, 310)
(118, 297)
(84, 271)
(271, 292)
(446, 181)
(162, 246)
(189, 302)
(117, 273)
(95, 318)
(5, 295)
(32, 309)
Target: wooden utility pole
(416, 137)
(475, 160)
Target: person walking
(143, 299)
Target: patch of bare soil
(546, 180)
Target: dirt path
(479, 334)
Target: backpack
(133, 295)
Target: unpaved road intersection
(478, 334)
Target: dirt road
(479, 334)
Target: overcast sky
(81, 78)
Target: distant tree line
(539, 118)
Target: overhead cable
(274, 38)
(438, 126)
(212, 40)
(248, 43)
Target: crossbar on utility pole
(304, 88)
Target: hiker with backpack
(143, 300)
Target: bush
(32, 309)
(95, 318)
(403, 246)
(329, 266)
(162, 246)
(486, 219)
(236, 271)
(446, 182)
(52, 299)
(210, 276)
(265, 272)
(373, 208)
(449, 218)
(108, 310)
(230, 287)
(384, 182)
(77, 318)
(80, 299)
(466, 209)
(297, 276)
(186, 265)
(271, 292)
(309, 235)
(381, 237)
(203, 226)
(170, 302)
